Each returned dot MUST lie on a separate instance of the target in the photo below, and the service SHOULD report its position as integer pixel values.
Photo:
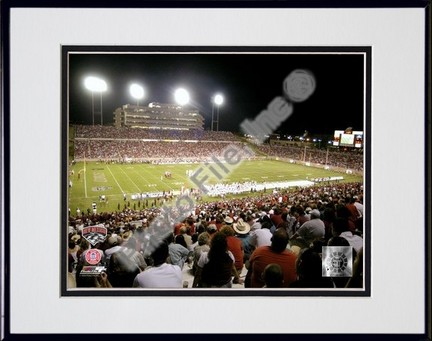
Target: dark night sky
(247, 81)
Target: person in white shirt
(311, 230)
(160, 274)
(262, 236)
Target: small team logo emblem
(337, 261)
(93, 256)
(95, 234)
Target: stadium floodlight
(218, 100)
(95, 84)
(181, 96)
(137, 92)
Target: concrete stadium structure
(158, 116)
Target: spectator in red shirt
(276, 253)
(276, 217)
(235, 246)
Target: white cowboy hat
(241, 227)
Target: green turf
(113, 180)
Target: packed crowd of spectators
(333, 157)
(276, 238)
(155, 150)
(113, 143)
(112, 132)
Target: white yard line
(161, 181)
(121, 189)
(139, 190)
(85, 179)
(139, 174)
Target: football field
(90, 180)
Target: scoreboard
(344, 138)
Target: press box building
(158, 116)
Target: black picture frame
(8, 208)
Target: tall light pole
(218, 100)
(326, 159)
(98, 85)
(137, 92)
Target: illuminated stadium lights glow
(218, 100)
(181, 96)
(95, 84)
(136, 91)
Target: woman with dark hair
(179, 239)
(216, 266)
(328, 217)
(309, 271)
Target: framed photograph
(143, 162)
(220, 155)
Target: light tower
(216, 100)
(97, 85)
